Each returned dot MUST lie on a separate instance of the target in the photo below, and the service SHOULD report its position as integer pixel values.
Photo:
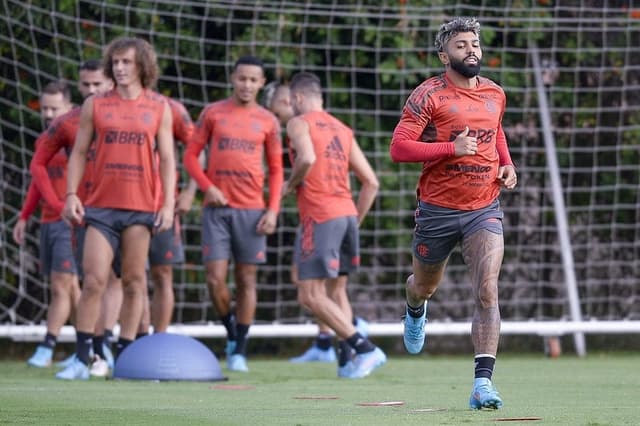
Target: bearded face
(468, 67)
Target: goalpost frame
(566, 250)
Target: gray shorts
(439, 229)
(228, 233)
(79, 232)
(327, 249)
(111, 223)
(56, 248)
(166, 247)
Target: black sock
(121, 345)
(323, 341)
(484, 366)
(354, 321)
(98, 341)
(241, 339)
(229, 322)
(360, 344)
(415, 312)
(49, 341)
(83, 346)
(141, 335)
(344, 353)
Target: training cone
(167, 356)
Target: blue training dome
(167, 356)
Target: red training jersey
(51, 179)
(238, 138)
(125, 163)
(325, 192)
(59, 137)
(182, 131)
(434, 114)
(57, 173)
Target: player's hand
(164, 219)
(19, 231)
(214, 197)
(507, 176)
(73, 211)
(184, 202)
(465, 144)
(267, 223)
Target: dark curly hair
(146, 59)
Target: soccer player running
(59, 139)
(235, 220)
(132, 129)
(56, 253)
(452, 124)
(324, 151)
(278, 100)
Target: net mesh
(370, 55)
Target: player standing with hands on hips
(452, 124)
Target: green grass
(597, 390)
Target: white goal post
(34, 333)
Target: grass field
(597, 390)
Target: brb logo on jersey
(125, 138)
(236, 144)
(482, 135)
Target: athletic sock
(121, 345)
(108, 339)
(344, 353)
(360, 344)
(229, 322)
(241, 339)
(83, 346)
(141, 335)
(484, 364)
(49, 341)
(98, 341)
(323, 341)
(415, 312)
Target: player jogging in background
(133, 141)
(324, 151)
(451, 123)
(56, 253)
(235, 220)
(278, 101)
(60, 138)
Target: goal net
(370, 55)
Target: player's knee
(488, 295)
(133, 285)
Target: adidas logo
(334, 150)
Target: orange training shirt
(125, 143)
(435, 113)
(182, 130)
(325, 193)
(238, 138)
